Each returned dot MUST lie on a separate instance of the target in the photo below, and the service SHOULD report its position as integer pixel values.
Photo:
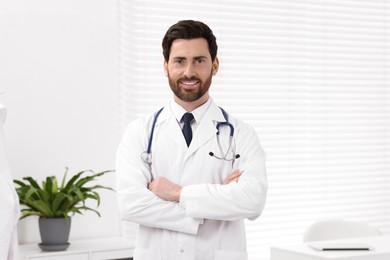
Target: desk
(302, 251)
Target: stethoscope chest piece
(146, 157)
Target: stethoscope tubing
(146, 156)
(149, 148)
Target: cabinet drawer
(113, 254)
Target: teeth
(189, 82)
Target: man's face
(190, 70)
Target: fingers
(230, 180)
(165, 189)
(233, 177)
(156, 185)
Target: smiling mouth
(189, 84)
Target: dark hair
(189, 29)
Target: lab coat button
(181, 250)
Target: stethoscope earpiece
(224, 158)
(231, 128)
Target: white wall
(58, 69)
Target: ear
(215, 66)
(165, 68)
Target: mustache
(189, 79)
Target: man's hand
(233, 177)
(165, 189)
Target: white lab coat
(9, 202)
(208, 223)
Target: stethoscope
(146, 156)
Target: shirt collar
(198, 113)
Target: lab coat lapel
(206, 129)
(170, 126)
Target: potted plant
(54, 204)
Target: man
(202, 176)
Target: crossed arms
(167, 190)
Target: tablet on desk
(339, 246)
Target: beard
(190, 95)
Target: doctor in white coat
(9, 201)
(190, 200)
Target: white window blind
(311, 76)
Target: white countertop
(113, 246)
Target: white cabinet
(59, 257)
(88, 249)
(117, 254)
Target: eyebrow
(200, 57)
(195, 58)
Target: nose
(189, 70)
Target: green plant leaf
(58, 200)
(42, 207)
(48, 185)
(44, 196)
(30, 213)
(20, 183)
(31, 194)
(79, 195)
(64, 178)
(87, 208)
(100, 187)
(32, 182)
(71, 182)
(94, 196)
(86, 179)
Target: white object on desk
(338, 229)
(90, 249)
(380, 245)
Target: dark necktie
(187, 131)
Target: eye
(199, 61)
(178, 61)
